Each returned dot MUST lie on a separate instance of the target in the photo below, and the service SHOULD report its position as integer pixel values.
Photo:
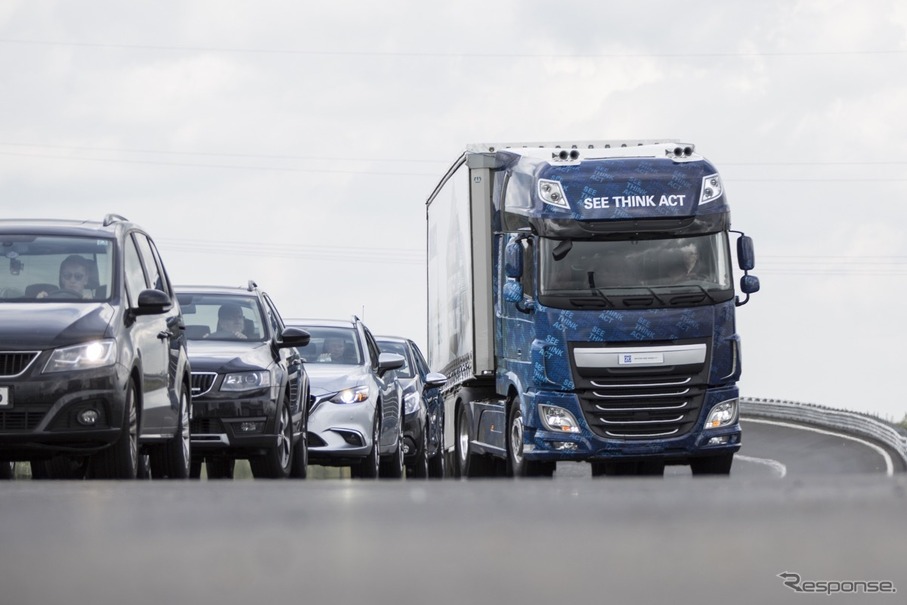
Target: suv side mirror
(293, 337)
(152, 302)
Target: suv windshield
(331, 345)
(51, 268)
(222, 317)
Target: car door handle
(164, 334)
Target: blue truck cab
(581, 301)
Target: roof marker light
(712, 189)
(552, 193)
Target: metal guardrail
(845, 421)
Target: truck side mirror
(513, 260)
(513, 291)
(748, 285)
(746, 255)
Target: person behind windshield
(230, 322)
(334, 351)
(690, 267)
(74, 277)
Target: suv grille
(202, 382)
(13, 364)
(20, 420)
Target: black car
(249, 386)
(423, 409)
(356, 413)
(94, 375)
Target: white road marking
(889, 466)
(776, 466)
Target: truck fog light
(88, 417)
(564, 446)
(718, 440)
(249, 427)
(558, 419)
(723, 414)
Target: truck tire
(518, 465)
(469, 464)
(712, 465)
(121, 459)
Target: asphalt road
(611, 540)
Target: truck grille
(642, 408)
(202, 382)
(13, 364)
(659, 398)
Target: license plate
(5, 400)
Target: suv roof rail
(251, 286)
(112, 218)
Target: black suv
(249, 387)
(94, 375)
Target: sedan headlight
(89, 355)
(246, 381)
(352, 395)
(411, 403)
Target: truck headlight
(95, 354)
(558, 419)
(723, 414)
(246, 381)
(351, 395)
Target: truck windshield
(696, 268)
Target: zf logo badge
(628, 359)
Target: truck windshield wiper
(682, 298)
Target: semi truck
(581, 302)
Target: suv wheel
(301, 454)
(172, 459)
(420, 461)
(121, 459)
(276, 463)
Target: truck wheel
(712, 465)
(172, 459)
(121, 459)
(519, 466)
(276, 463)
(470, 465)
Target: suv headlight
(352, 395)
(86, 356)
(246, 381)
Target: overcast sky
(295, 143)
